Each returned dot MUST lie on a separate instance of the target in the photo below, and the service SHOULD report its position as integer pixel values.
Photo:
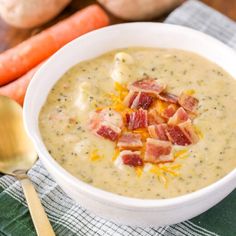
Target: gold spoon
(17, 155)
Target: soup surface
(100, 84)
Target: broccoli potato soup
(143, 122)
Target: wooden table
(10, 36)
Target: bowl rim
(101, 195)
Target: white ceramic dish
(117, 208)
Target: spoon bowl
(17, 155)
(17, 152)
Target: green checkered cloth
(68, 218)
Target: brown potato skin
(139, 9)
(30, 13)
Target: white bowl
(125, 210)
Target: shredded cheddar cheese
(169, 170)
(198, 131)
(120, 88)
(143, 132)
(94, 156)
(160, 106)
(157, 171)
(139, 171)
(190, 92)
(175, 167)
(117, 104)
(116, 154)
(180, 153)
(184, 157)
(161, 170)
(123, 91)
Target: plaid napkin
(68, 218)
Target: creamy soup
(101, 84)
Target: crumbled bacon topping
(189, 131)
(128, 101)
(180, 116)
(158, 131)
(137, 119)
(158, 151)
(188, 102)
(154, 117)
(136, 100)
(130, 140)
(106, 123)
(142, 100)
(168, 97)
(147, 85)
(169, 111)
(153, 122)
(131, 158)
(177, 136)
(108, 131)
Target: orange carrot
(17, 89)
(20, 59)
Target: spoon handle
(39, 217)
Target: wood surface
(10, 36)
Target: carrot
(17, 89)
(17, 61)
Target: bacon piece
(131, 158)
(154, 118)
(130, 141)
(128, 101)
(176, 136)
(106, 115)
(188, 129)
(188, 102)
(180, 116)
(137, 100)
(168, 97)
(158, 151)
(111, 116)
(94, 120)
(142, 100)
(169, 111)
(158, 131)
(106, 123)
(147, 85)
(183, 134)
(108, 131)
(137, 119)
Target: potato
(30, 13)
(122, 71)
(82, 101)
(139, 9)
